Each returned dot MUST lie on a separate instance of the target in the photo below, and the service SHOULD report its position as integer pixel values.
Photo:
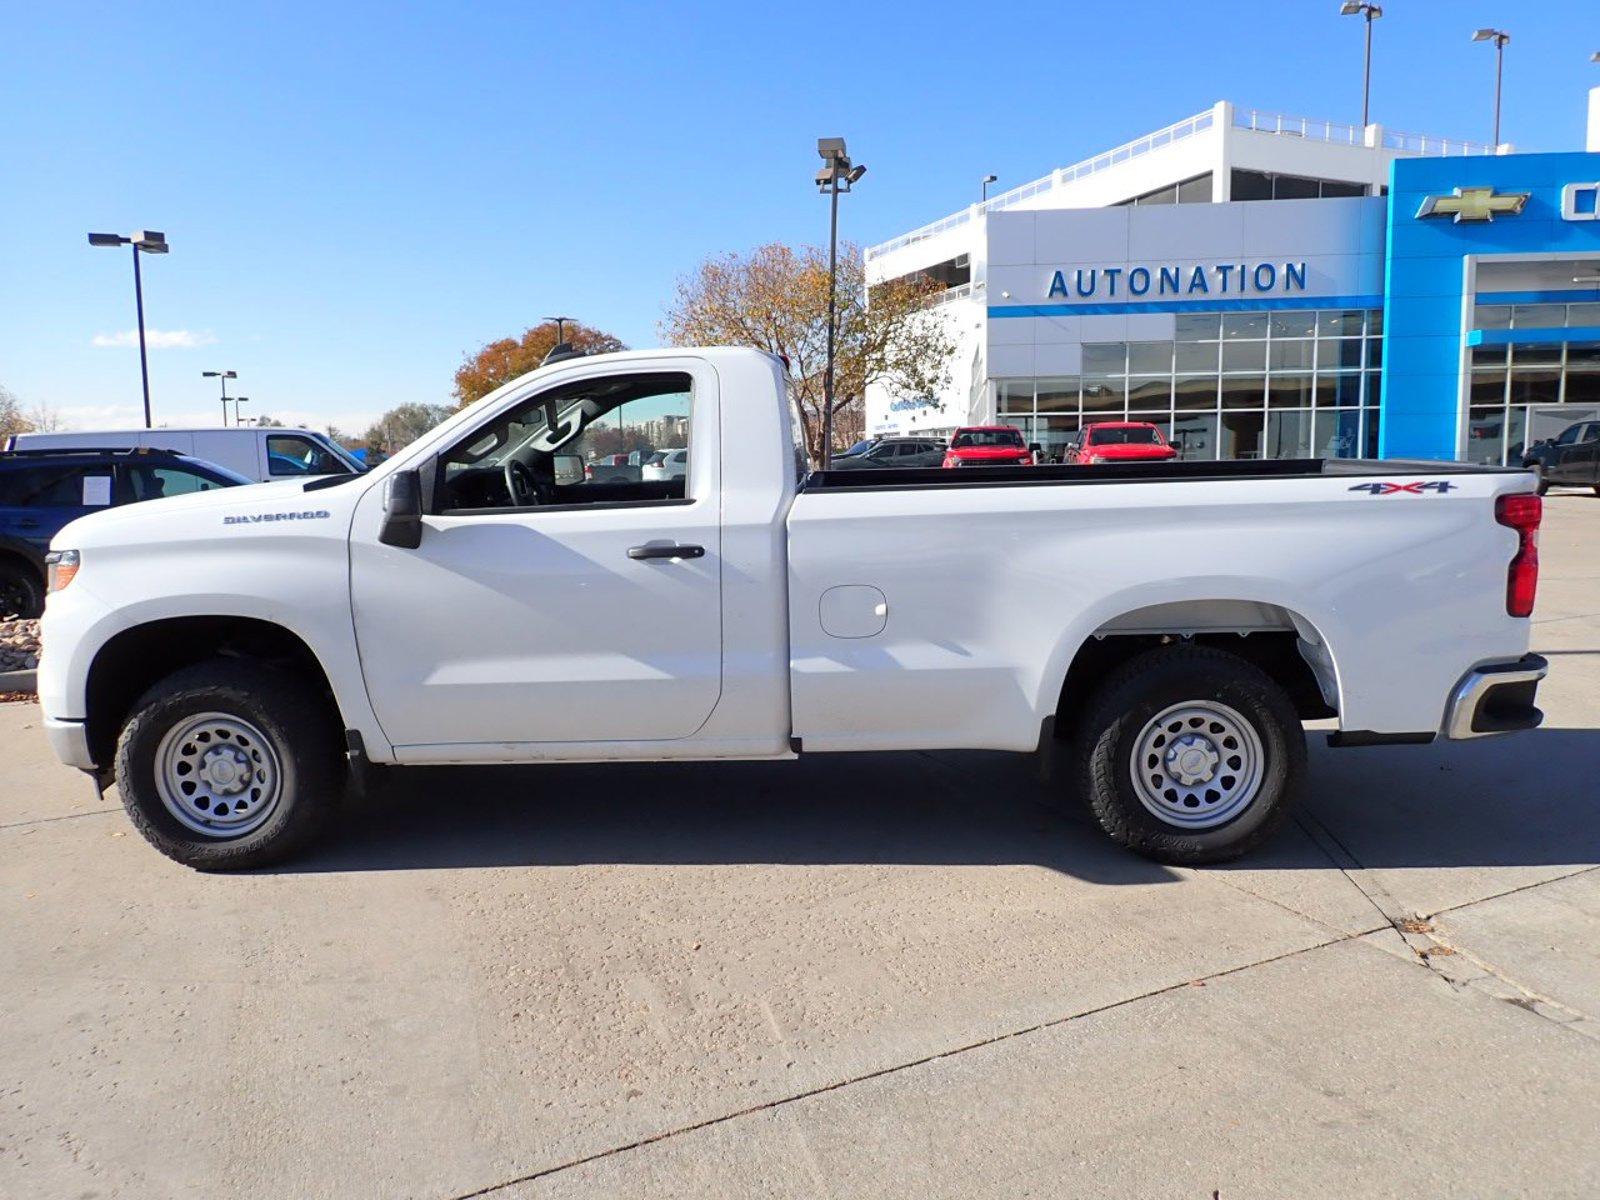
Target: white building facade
(1224, 277)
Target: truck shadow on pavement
(1523, 800)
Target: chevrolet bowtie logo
(1474, 204)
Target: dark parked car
(1571, 457)
(892, 452)
(42, 490)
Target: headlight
(61, 567)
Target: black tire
(21, 590)
(1541, 485)
(1131, 698)
(295, 721)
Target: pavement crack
(97, 812)
(895, 1069)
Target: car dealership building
(1270, 287)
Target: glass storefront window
(1486, 434)
(1487, 387)
(1580, 316)
(1192, 392)
(1536, 354)
(1491, 316)
(1198, 327)
(1101, 396)
(1297, 324)
(1538, 316)
(1195, 436)
(1535, 386)
(1289, 391)
(1334, 353)
(1149, 393)
(1105, 358)
(1149, 358)
(1015, 396)
(1374, 388)
(1290, 355)
(1197, 356)
(1336, 434)
(1244, 356)
(1343, 323)
(1244, 391)
(1244, 325)
(1288, 434)
(1369, 433)
(1488, 356)
(1241, 435)
(1341, 390)
(1058, 395)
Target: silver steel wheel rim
(1197, 765)
(218, 775)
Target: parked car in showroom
(893, 452)
(41, 491)
(1571, 458)
(1119, 441)
(235, 657)
(988, 446)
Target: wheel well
(1275, 652)
(10, 557)
(137, 658)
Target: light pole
(984, 184)
(151, 242)
(238, 400)
(223, 376)
(837, 175)
(1352, 8)
(1499, 37)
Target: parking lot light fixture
(838, 174)
(1355, 8)
(149, 241)
(1499, 37)
(984, 183)
(223, 376)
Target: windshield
(969, 439)
(1132, 435)
(343, 455)
(858, 448)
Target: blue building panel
(1426, 272)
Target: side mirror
(402, 511)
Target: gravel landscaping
(19, 645)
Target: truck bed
(1136, 472)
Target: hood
(249, 504)
(979, 453)
(1123, 452)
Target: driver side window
(605, 440)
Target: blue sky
(358, 195)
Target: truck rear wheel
(228, 764)
(1190, 755)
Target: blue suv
(42, 490)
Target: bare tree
(776, 298)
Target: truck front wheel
(1190, 755)
(228, 764)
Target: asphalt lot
(890, 975)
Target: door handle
(665, 551)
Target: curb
(19, 681)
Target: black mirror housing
(402, 511)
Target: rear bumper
(69, 740)
(1496, 698)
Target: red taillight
(1523, 514)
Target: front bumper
(70, 742)
(1496, 698)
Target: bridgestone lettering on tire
(229, 764)
(1189, 755)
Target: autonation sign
(1213, 279)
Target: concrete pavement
(868, 976)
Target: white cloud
(158, 339)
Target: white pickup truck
(1158, 630)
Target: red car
(988, 446)
(1119, 441)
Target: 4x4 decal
(1415, 488)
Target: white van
(256, 453)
